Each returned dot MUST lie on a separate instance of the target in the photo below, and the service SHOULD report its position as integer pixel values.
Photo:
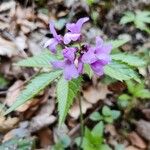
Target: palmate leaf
(66, 92)
(33, 88)
(120, 71)
(129, 59)
(41, 60)
(127, 18)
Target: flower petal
(104, 58)
(97, 67)
(58, 64)
(99, 41)
(69, 53)
(76, 27)
(70, 71)
(80, 66)
(89, 57)
(53, 45)
(53, 31)
(71, 37)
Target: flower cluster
(75, 57)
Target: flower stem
(81, 123)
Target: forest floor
(24, 28)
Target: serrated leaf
(41, 60)
(127, 18)
(120, 71)
(129, 59)
(33, 88)
(117, 43)
(66, 92)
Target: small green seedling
(107, 115)
(139, 18)
(135, 91)
(94, 140)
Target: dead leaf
(131, 148)
(136, 140)
(93, 95)
(109, 128)
(75, 109)
(7, 5)
(46, 137)
(143, 128)
(40, 121)
(146, 112)
(22, 131)
(7, 48)
(14, 92)
(7, 123)
(43, 117)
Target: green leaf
(95, 116)
(127, 18)
(88, 70)
(120, 71)
(41, 60)
(105, 147)
(66, 92)
(33, 88)
(98, 129)
(142, 17)
(108, 119)
(129, 59)
(115, 114)
(131, 86)
(117, 43)
(106, 111)
(144, 93)
(124, 97)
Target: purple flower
(70, 65)
(53, 42)
(69, 69)
(98, 56)
(74, 30)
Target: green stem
(81, 123)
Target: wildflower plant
(68, 58)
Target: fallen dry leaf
(146, 112)
(7, 48)
(14, 92)
(46, 137)
(40, 121)
(7, 123)
(75, 109)
(93, 95)
(109, 128)
(22, 131)
(143, 128)
(136, 140)
(131, 148)
(43, 117)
